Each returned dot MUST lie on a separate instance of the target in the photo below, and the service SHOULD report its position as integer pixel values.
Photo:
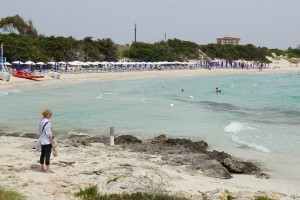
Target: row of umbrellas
(79, 63)
(53, 63)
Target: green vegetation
(112, 180)
(23, 42)
(92, 193)
(263, 198)
(10, 195)
(236, 52)
(88, 193)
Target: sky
(264, 23)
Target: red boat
(28, 75)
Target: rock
(31, 135)
(160, 138)
(219, 156)
(203, 144)
(262, 175)
(188, 144)
(127, 139)
(240, 167)
(214, 168)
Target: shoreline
(16, 83)
(79, 165)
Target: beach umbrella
(17, 62)
(30, 63)
(40, 63)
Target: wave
(102, 96)
(5, 93)
(238, 128)
(256, 147)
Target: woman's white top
(47, 132)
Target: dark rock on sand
(127, 139)
(31, 135)
(178, 152)
(240, 167)
(160, 138)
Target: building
(228, 40)
(298, 47)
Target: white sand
(20, 170)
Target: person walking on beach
(47, 142)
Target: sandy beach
(98, 163)
(278, 66)
(79, 167)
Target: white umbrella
(51, 63)
(30, 63)
(7, 63)
(40, 63)
(17, 62)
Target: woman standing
(46, 138)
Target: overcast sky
(265, 23)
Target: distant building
(228, 40)
(298, 47)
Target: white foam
(256, 147)
(235, 127)
(171, 104)
(99, 96)
(15, 91)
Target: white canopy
(17, 62)
(29, 63)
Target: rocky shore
(179, 152)
(160, 165)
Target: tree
(17, 24)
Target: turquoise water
(256, 117)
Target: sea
(255, 118)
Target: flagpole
(2, 53)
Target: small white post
(112, 136)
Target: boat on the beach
(25, 74)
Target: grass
(10, 195)
(263, 198)
(92, 193)
(112, 180)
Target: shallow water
(256, 117)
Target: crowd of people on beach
(136, 66)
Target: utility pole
(134, 32)
(165, 36)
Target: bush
(91, 193)
(9, 195)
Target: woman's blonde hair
(46, 112)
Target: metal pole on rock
(112, 136)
